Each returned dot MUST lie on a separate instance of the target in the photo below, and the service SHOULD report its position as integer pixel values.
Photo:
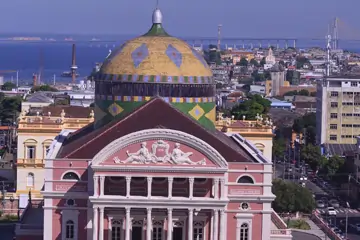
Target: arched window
(30, 180)
(244, 231)
(70, 176)
(245, 180)
(116, 230)
(70, 230)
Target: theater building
(152, 166)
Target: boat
(69, 74)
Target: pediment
(160, 147)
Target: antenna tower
(219, 37)
(73, 64)
(335, 33)
(328, 48)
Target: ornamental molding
(160, 136)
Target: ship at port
(69, 74)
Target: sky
(185, 18)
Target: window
(70, 176)
(30, 152)
(334, 94)
(30, 180)
(115, 230)
(47, 149)
(334, 104)
(245, 179)
(244, 232)
(333, 115)
(198, 231)
(70, 230)
(157, 230)
(333, 126)
(333, 137)
(354, 84)
(157, 233)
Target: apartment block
(338, 110)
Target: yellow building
(35, 135)
(258, 132)
(338, 110)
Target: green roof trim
(156, 30)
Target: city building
(153, 166)
(35, 135)
(338, 110)
(258, 132)
(36, 100)
(278, 74)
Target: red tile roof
(87, 142)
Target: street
(7, 231)
(301, 236)
(320, 194)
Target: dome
(155, 65)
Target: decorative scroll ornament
(160, 154)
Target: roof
(39, 97)
(87, 142)
(154, 57)
(299, 98)
(339, 149)
(70, 111)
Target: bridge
(338, 29)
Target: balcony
(282, 232)
(31, 162)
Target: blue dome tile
(174, 55)
(139, 54)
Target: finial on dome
(157, 16)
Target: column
(216, 224)
(127, 224)
(102, 183)
(170, 224)
(170, 186)
(191, 187)
(95, 223)
(216, 188)
(96, 186)
(148, 224)
(222, 224)
(101, 219)
(212, 226)
(222, 187)
(190, 224)
(128, 183)
(149, 185)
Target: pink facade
(189, 193)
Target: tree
(8, 86)
(300, 61)
(263, 61)
(251, 107)
(278, 148)
(312, 155)
(254, 62)
(43, 88)
(258, 77)
(303, 92)
(282, 63)
(292, 197)
(9, 109)
(92, 105)
(333, 164)
(243, 62)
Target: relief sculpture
(159, 154)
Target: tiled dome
(155, 65)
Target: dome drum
(161, 90)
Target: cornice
(159, 134)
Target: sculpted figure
(180, 157)
(141, 156)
